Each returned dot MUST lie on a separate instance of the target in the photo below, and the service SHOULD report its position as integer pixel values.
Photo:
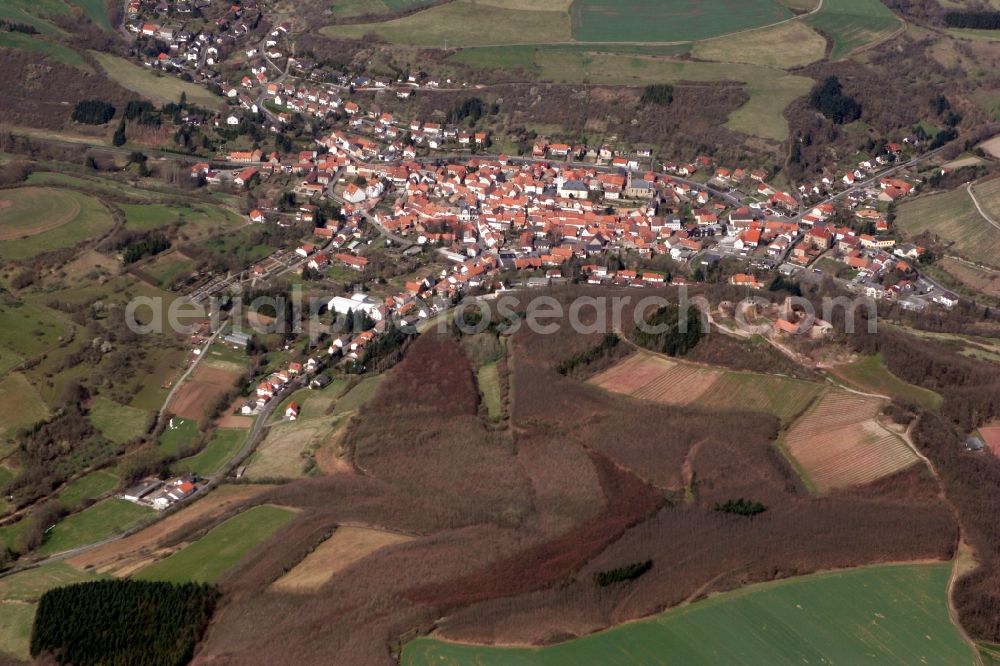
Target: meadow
(211, 556)
(673, 21)
(198, 220)
(346, 546)
(46, 47)
(119, 423)
(20, 407)
(176, 439)
(19, 594)
(222, 446)
(489, 387)
(886, 615)
(953, 217)
(87, 488)
(103, 520)
(800, 46)
(39, 219)
(852, 24)
(870, 374)
(159, 89)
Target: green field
(870, 374)
(20, 407)
(95, 11)
(117, 422)
(853, 23)
(465, 23)
(34, 12)
(358, 396)
(86, 488)
(953, 217)
(783, 397)
(19, 594)
(875, 615)
(347, 8)
(47, 47)
(198, 220)
(27, 329)
(211, 556)
(670, 21)
(159, 89)
(39, 219)
(103, 520)
(175, 440)
(223, 445)
(489, 387)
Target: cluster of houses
(159, 494)
(275, 384)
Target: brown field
(839, 443)
(991, 437)
(347, 546)
(654, 378)
(991, 146)
(121, 557)
(200, 392)
(230, 419)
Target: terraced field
(838, 443)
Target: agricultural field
(105, 519)
(800, 46)
(222, 446)
(894, 614)
(672, 21)
(972, 278)
(118, 423)
(654, 378)
(489, 387)
(87, 488)
(346, 546)
(169, 268)
(839, 443)
(39, 219)
(953, 217)
(127, 555)
(19, 595)
(350, 8)
(852, 24)
(46, 47)
(870, 374)
(199, 393)
(288, 446)
(179, 434)
(211, 556)
(465, 23)
(20, 407)
(158, 89)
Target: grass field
(223, 445)
(853, 23)
(211, 556)
(159, 89)
(117, 422)
(489, 387)
(19, 594)
(348, 8)
(86, 488)
(671, 21)
(953, 217)
(27, 329)
(104, 519)
(38, 219)
(95, 11)
(181, 436)
(283, 453)
(870, 374)
(20, 406)
(358, 396)
(198, 220)
(34, 12)
(47, 47)
(465, 23)
(875, 615)
(800, 45)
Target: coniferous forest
(119, 622)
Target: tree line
(973, 18)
